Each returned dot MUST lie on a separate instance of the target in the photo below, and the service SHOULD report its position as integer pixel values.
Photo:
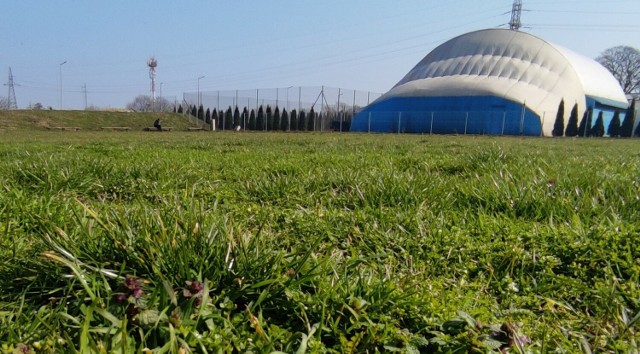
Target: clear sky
(247, 44)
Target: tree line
(270, 119)
(588, 128)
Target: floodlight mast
(516, 11)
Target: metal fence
(520, 122)
(332, 107)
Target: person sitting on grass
(157, 125)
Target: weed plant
(320, 243)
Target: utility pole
(11, 96)
(198, 98)
(60, 72)
(516, 11)
(84, 91)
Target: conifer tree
(252, 120)
(180, 109)
(583, 125)
(260, 119)
(293, 120)
(228, 119)
(598, 127)
(284, 120)
(244, 118)
(207, 116)
(201, 113)
(194, 111)
(311, 123)
(221, 120)
(572, 125)
(269, 118)
(558, 126)
(302, 121)
(614, 125)
(236, 118)
(626, 129)
(276, 119)
(584, 130)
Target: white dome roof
(513, 65)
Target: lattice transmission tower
(11, 96)
(152, 63)
(516, 11)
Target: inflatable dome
(493, 81)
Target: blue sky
(246, 44)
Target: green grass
(338, 243)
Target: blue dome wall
(448, 115)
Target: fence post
(369, 128)
(257, 100)
(504, 117)
(399, 119)
(353, 106)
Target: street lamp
(60, 67)
(201, 77)
(198, 108)
(288, 97)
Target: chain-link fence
(335, 109)
(289, 108)
(519, 122)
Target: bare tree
(144, 103)
(624, 63)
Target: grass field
(340, 243)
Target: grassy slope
(87, 120)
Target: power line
(587, 12)
(588, 27)
(339, 58)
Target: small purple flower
(132, 283)
(195, 287)
(137, 293)
(120, 297)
